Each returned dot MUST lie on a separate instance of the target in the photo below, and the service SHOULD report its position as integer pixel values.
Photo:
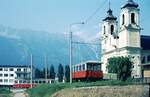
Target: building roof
(145, 42)
(130, 3)
(21, 66)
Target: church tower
(108, 37)
(129, 35)
(125, 40)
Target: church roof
(130, 3)
(145, 42)
(110, 16)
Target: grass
(45, 90)
(4, 92)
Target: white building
(124, 39)
(10, 75)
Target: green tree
(60, 73)
(42, 73)
(120, 65)
(52, 72)
(37, 73)
(67, 73)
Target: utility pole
(70, 57)
(31, 68)
(45, 68)
(81, 23)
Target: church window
(123, 19)
(132, 18)
(104, 30)
(112, 29)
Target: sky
(55, 16)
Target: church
(125, 39)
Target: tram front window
(89, 67)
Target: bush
(4, 92)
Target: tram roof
(90, 61)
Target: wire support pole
(70, 57)
(31, 56)
(46, 62)
(70, 32)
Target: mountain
(16, 45)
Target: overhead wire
(86, 22)
(95, 12)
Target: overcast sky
(55, 16)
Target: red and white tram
(87, 71)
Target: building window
(132, 18)
(148, 58)
(11, 80)
(1, 75)
(25, 69)
(11, 69)
(1, 69)
(5, 80)
(19, 69)
(11, 75)
(18, 76)
(112, 29)
(1, 80)
(5, 69)
(123, 19)
(5, 75)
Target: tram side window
(74, 68)
(79, 67)
(83, 67)
(95, 67)
(88, 67)
(92, 66)
(98, 67)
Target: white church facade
(125, 39)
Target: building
(10, 74)
(145, 61)
(125, 39)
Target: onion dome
(130, 3)
(110, 16)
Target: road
(19, 92)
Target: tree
(52, 72)
(120, 65)
(42, 75)
(37, 73)
(60, 73)
(67, 73)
